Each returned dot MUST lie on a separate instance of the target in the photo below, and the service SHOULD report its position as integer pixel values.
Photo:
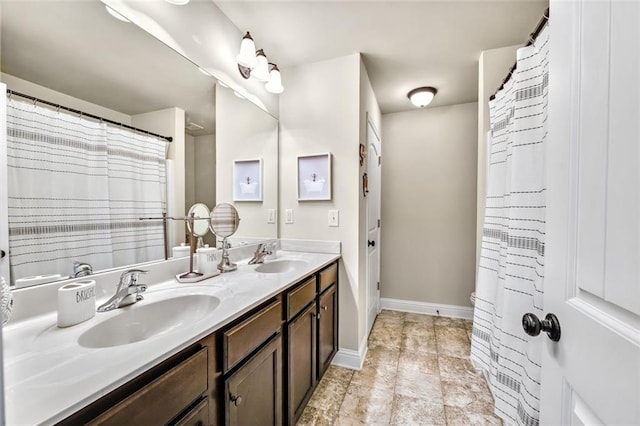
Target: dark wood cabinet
(327, 328)
(253, 393)
(301, 361)
(252, 371)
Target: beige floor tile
(386, 333)
(452, 341)
(391, 316)
(472, 394)
(419, 385)
(328, 395)
(418, 337)
(419, 318)
(450, 322)
(365, 404)
(459, 416)
(457, 369)
(339, 373)
(414, 411)
(413, 361)
(312, 416)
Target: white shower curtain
(511, 270)
(76, 189)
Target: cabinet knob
(324, 307)
(236, 399)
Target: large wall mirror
(77, 55)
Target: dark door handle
(533, 326)
(371, 243)
(2, 254)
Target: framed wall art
(314, 177)
(247, 180)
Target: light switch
(271, 215)
(288, 216)
(334, 217)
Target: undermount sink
(280, 266)
(144, 320)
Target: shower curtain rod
(532, 37)
(84, 114)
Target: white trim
(451, 311)
(348, 358)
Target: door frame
(376, 133)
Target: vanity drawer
(241, 340)
(300, 297)
(197, 416)
(328, 276)
(164, 398)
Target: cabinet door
(301, 357)
(253, 394)
(327, 328)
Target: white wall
(322, 110)
(32, 89)
(429, 204)
(493, 67)
(245, 132)
(189, 171)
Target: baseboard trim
(348, 358)
(451, 311)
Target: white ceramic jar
(207, 260)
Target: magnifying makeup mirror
(198, 228)
(224, 223)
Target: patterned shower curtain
(76, 188)
(510, 279)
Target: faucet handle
(132, 274)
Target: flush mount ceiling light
(252, 63)
(116, 14)
(178, 2)
(422, 96)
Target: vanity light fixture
(116, 15)
(422, 96)
(252, 63)
(274, 85)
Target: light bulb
(247, 55)
(274, 85)
(261, 71)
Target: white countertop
(49, 376)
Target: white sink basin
(280, 266)
(143, 320)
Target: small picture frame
(247, 180)
(314, 177)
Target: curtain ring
(531, 39)
(10, 94)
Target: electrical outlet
(271, 215)
(334, 217)
(288, 216)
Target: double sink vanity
(247, 347)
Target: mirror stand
(191, 275)
(225, 264)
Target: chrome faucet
(261, 252)
(81, 269)
(128, 291)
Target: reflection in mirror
(247, 158)
(224, 223)
(199, 228)
(76, 55)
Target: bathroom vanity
(246, 347)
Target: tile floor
(416, 372)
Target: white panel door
(373, 225)
(592, 374)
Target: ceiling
(77, 48)
(405, 44)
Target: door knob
(2, 254)
(371, 243)
(533, 326)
